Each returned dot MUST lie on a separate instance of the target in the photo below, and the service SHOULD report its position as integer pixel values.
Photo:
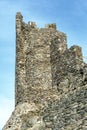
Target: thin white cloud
(6, 108)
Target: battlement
(53, 26)
(30, 24)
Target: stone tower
(50, 81)
(34, 51)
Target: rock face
(50, 83)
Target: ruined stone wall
(68, 113)
(51, 81)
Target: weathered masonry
(50, 81)
(35, 55)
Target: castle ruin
(50, 81)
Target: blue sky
(70, 17)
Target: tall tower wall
(34, 57)
(51, 81)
